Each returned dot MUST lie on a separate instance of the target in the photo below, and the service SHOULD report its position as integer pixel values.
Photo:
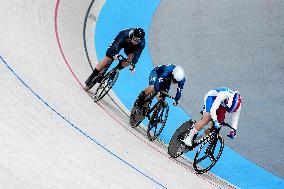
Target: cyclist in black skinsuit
(132, 40)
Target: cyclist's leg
(206, 118)
(149, 90)
(106, 61)
(220, 112)
(196, 128)
(153, 78)
(99, 67)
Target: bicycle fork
(211, 147)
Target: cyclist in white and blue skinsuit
(160, 79)
(217, 102)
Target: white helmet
(178, 73)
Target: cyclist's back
(165, 71)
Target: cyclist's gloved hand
(175, 103)
(232, 134)
(216, 124)
(132, 67)
(115, 57)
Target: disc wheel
(176, 148)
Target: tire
(158, 121)
(105, 85)
(176, 147)
(206, 153)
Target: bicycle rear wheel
(136, 117)
(176, 148)
(106, 84)
(208, 154)
(158, 121)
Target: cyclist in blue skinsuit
(160, 79)
(217, 102)
(132, 40)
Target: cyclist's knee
(204, 121)
(107, 60)
(104, 63)
(150, 89)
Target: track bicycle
(106, 81)
(159, 115)
(210, 146)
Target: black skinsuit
(122, 40)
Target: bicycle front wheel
(208, 154)
(158, 121)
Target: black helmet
(139, 33)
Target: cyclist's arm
(235, 118)
(217, 102)
(179, 89)
(138, 52)
(117, 43)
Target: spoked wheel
(106, 84)
(176, 148)
(208, 154)
(157, 121)
(137, 115)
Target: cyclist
(160, 79)
(132, 40)
(216, 103)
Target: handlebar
(228, 125)
(121, 58)
(165, 94)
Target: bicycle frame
(211, 136)
(163, 96)
(106, 83)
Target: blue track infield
(118, 15)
